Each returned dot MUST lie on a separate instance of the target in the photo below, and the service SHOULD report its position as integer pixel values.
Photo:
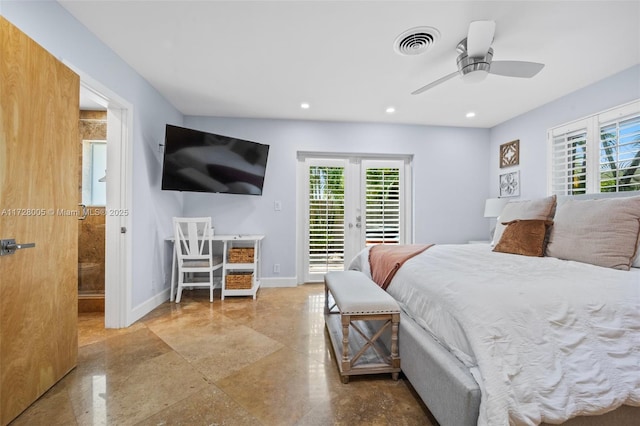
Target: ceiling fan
(475, 58)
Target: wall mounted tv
(205, 162)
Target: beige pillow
(524, 237)
(540, 209)
(602, 232)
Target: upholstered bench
(352, 300)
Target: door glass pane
(326, 219)
(382, 213)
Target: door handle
(84, 212)
(358, 221)
(9, 246)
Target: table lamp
(492, 208)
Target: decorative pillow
(636, 263)
(524, 237)
(540, 209)
(602, 232)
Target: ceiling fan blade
(520, 69)
(479, 38)
(435, 83)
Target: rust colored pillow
(525, 237)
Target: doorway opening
(93, 196)
(111, 180)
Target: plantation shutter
(569, 161)
(382, 206)
(326, 219)
(620, 155)
(599, 153)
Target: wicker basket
(239, 281)
(241, 255)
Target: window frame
(592, 125)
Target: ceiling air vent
(416, 40)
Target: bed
(499, 338)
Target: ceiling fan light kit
(475, 59)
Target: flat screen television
(205, 162)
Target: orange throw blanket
(385, 260)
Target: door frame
(302, 189)
(118, 252)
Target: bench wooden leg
(395, 358)
(326, 299)
(346, 362)
(329, 309)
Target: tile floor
(231, 362)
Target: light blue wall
(50, 25)
(531, 128)
(449, 168)
(449, 164)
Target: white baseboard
(147, 306)
(278, 282)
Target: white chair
(193, 253)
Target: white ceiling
(263, 58)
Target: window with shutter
(569, 163)
(600, 153)
(620, 156)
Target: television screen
(206, 162)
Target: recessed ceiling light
(471, 114)
(304, 105)
(390, 110)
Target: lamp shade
(493, 206)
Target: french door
(351, 203)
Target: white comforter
(546, 339)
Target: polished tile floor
(234, 362)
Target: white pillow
(539, 209)
(602, 232)
(636, 263)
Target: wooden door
(39, 160)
